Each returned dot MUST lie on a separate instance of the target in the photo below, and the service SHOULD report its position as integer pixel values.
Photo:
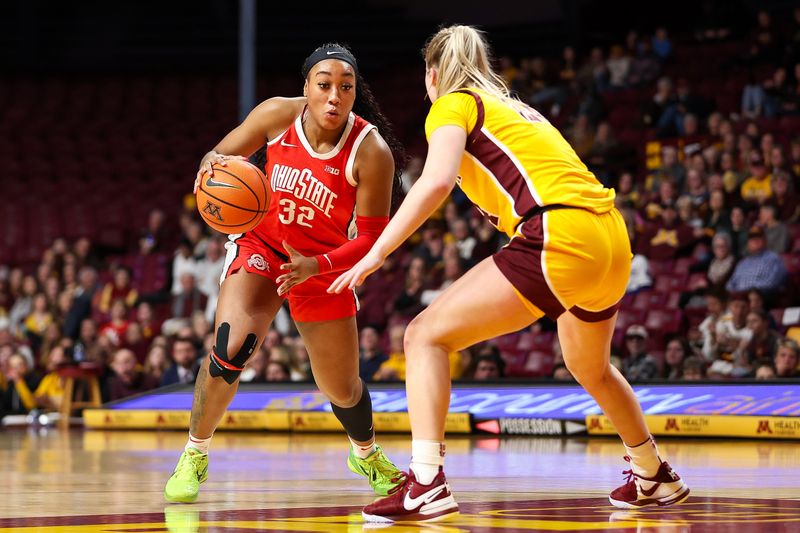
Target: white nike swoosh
(412, 503)
(211, 183)
(284, 143)
(329, 52)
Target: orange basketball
(235, 198)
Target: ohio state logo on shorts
(257, 261)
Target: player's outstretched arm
(438, 177)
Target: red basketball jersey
(313, 195)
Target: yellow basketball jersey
(515, 162)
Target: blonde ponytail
(462, 57)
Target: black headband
(328, 52)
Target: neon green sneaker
(184, 485)
(384, 477)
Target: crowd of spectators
(710, 196)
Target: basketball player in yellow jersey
(569, 258)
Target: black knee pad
(220, 364)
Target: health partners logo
(694, 425)
(787, 427)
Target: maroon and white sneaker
(414, 502)
(665, 488)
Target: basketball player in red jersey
(331, 174)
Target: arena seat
(542, 340)
(515, 362)
(539, 363)
(695, 315)
(696, 279)
(649, 298)
(667, 283)
(661, 322)
(507, 342)
(792, 263)
(659, 267)
(626, 317)
(683, 265)
(673, 299)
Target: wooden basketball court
(100, 481)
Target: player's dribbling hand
(356, 275)
(207, 165)
(300, 269)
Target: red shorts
(308, 301)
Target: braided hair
(367, 108)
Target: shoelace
(400, 486)
(630, 473)
(381, 467)
(186, 466)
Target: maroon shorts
(569, 259)
(308, 301)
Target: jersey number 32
(290, 212)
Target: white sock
(198, 444)
(426, 458)
(362, 452)
(644, 458)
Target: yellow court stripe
(170, 419)
(258, 420)
(345, 524)
(501, 519)
(384, 422)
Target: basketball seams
(216, 223)
(220, 200)
(231, 196)
(263, 180)
(240, 180)
(263, 184)
(256, 214)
